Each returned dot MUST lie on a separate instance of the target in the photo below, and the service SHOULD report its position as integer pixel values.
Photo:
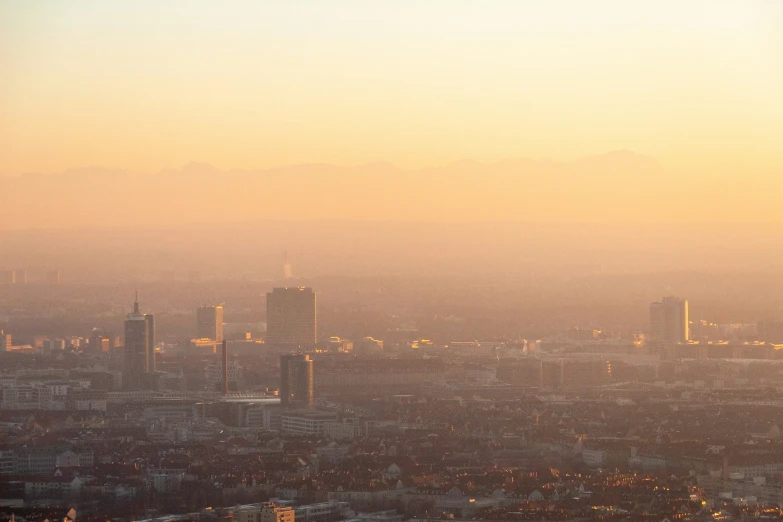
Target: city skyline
(442, 260)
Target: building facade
(669, 321)
(291, 317)
(272, 513)
(296, 381)
(139, 350)
(209, 321)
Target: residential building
(273, 513)
(305, 422)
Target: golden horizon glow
(241, 84)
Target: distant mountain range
(613, 186)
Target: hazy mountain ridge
(515, 190)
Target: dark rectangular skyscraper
(209, 320)
(139, 350)
(296, 381)
(291, 317)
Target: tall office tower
(139, 349)
(209, 321)
(296, 381)
(53, 277)
(669, 320)
(291, 317)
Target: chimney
(225, 368)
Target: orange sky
(146, 85)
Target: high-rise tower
(296, 381)
(139, 349)
(209, 321)
(291, 317)
(669, 321)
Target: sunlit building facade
(209, 321)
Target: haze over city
(374, 261)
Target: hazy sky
(249, 84)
